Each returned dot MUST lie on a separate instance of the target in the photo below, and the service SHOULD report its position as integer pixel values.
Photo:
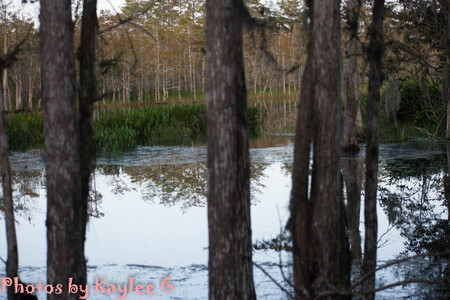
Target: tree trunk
(18, 93)
(372, 133)
(86, 98)
(447, 182)
(12, 261)
(5, 51)
(62, 146)
(30, 87)
(321, 251)
(230, 248)
(446, 81)
(351, 82)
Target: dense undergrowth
(118, 129)
(421, 113)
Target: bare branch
(274, 281)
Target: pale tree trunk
(158, 67)
(12, 261)
(18, 83)
(123, 86)
(30, 86)
(203, 73)
(351, 82)
(62, 148)
(372, 137)
(320, 244)
(86, 98)
(230, 248)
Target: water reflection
(147, 203)
(412, 195)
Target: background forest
(152, 52)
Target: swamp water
(148, 219)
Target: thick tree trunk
(12, 262)
(300, 206)
(5, 51)
(372, 133)
(62, 146)
(351, 82)
(321, 250)
(230, 249)
(446, 80)
(86, 98)
(447, 182)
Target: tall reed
(119, 129)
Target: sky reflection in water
(150, 217)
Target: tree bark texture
(62, 146)
(351, 82)
(447, 182)
(86, 98)
(12, 261)
(321, 251)
(446, 80)
(375, 53)
(230, 248)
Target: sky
(106, 4)
(32, 10)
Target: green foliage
(25, 131)
(417, 107)
(156, 125)
(113, 141)
(420, 115)
(118, 129)
(153, 124)
(401, 132)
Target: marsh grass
(25, 130)
(118, 129)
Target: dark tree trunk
(230, 249)
(351, 82)
(447, 182)
(12, 261)
(321, 250)
(62, 146)
(446, 80)
(351, 172)
(86, 97)
(372, 133)
(300, 206)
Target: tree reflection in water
(26, 184)
(413, 198)
(183, 184)
(411, 192)
(412, 195)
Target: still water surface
(148, 216)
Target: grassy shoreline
(119, 129)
